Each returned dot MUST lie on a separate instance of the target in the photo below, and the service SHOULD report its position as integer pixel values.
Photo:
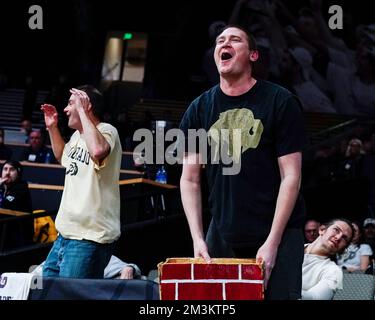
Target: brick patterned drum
(222, 279)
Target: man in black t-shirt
(254, 198)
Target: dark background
(73, 38)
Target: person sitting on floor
(115, 269)
(321, 276)
(356, 257)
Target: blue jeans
(77, 259)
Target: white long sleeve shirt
(321, 277)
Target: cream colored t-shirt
(90, 204)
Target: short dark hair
(250, 38)
(96, 99)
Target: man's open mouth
(226, 56)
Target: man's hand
(81, 99)
(127, 273)
(2, 180)
(50, 115)
(267, 254)
(201, 251)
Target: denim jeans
(77, 259)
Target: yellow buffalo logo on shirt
(237, 130)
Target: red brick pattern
(251, 272)
(200, 291)
(243, 291)
(177, 271)
(183, 279)
(215, 271)
(169, 292)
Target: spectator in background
(15, 195)
(38, 152)
(321, 277)
(354, 90)
(351, 166)
(357, 256)
(369, 234)
(5, 152)
(311, 230)
(116, 269)
(296, 74)
(26, 128)
(354, 149)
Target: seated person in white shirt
(116, 269)
(357, 256)
(321, 277)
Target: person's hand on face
(4, 180)
(81, 99)
(9, 174)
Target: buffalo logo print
(238, 130)
(73, 169)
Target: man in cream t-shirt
(88, 220)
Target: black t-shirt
(17, 197)
(243, 204)
(18, 233)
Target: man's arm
(190, 185)
(118, 268)
(290, 172)
(328, 283)
(51, 120)
(321, 291)
(97, 145)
